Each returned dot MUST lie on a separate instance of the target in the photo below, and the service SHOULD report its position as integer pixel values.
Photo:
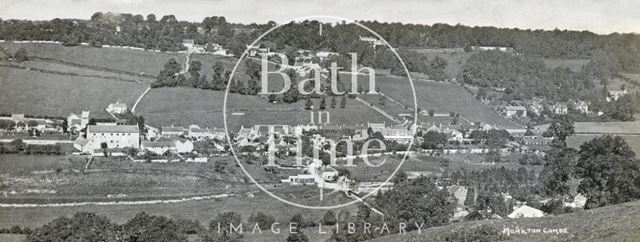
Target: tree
(263, 220)
(297, 235)
(323, 103)
(82, 226)
(434, 140)
(104, 148)
(21, 55)
(562, 127)
(143, 227)
(343, 102)
(329, 218)
(609, 170)
(273, 98)
(431, 112)
(308, 105)
(417, 201)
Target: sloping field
(573, 64)
(135, 61)
(455, 59)
(608, 127)
(442, 97)
(613, 223)
(185, 106)
(30, 92)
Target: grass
(185, 106)
(23, 164)
(135, 61)
(574, 65)
(57, 95)
(442, 97)
(455, 60)
(608, 127)
(611, 223)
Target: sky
(597, 16)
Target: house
(81, 144)
(117, 108)
(198, 133)
(559, 108)
(525, 211)
(459, 192)
(376, 127)
(256, 51)
(17, 117)
(159, 146)
(192, 47)
(581, 106)
(578, 201)
(399, 134)
(172, 131)
(615, 95)
(76, 123)
(515, 111)
(371, 40)
(183, 145)
(119, 136)
(302, 179)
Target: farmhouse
(559, 108)
(118, 136)
(515, 111)
(615, 95)
(525, 211)
(117, 108)
(198, 133)
(173, 131)
(77, 123)
(192, 47)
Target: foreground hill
(613, 223)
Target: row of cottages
(615, 95)
(76, 122)
(117, 108)
(514, 111)
(114, 136)
(40, 124)
(163, 145)
(194, 131)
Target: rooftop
(112, 129)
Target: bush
(483, 233)
(263, 220)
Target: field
(608, 127)
(442, 97)
(455, 60)
(573, 64)
(612, 223)
(183, 107)
(58, 95)
(24, 164)
(135, 61)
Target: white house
(615, 95)
(515, 111)
(119, 136)
(159, 146)
(77, 123)
(117, 108)
(172, 131)
(399, 134)
(525, 211)
(582, 107)
(559, 108)
(183, 145)
(196, 132)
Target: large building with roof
(115, 136)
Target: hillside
(186, 106)
(613, 223)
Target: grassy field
(58, 95)
(608, 127)
(442, 97)
(135, 61)
(22, 164)
(573, 64)
(455, 60)
(611, 223)
(183, 107)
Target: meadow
(135, 61)
(574, 65)
(455, 59)
(185, 106)
(576, 141)
(38, 93)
